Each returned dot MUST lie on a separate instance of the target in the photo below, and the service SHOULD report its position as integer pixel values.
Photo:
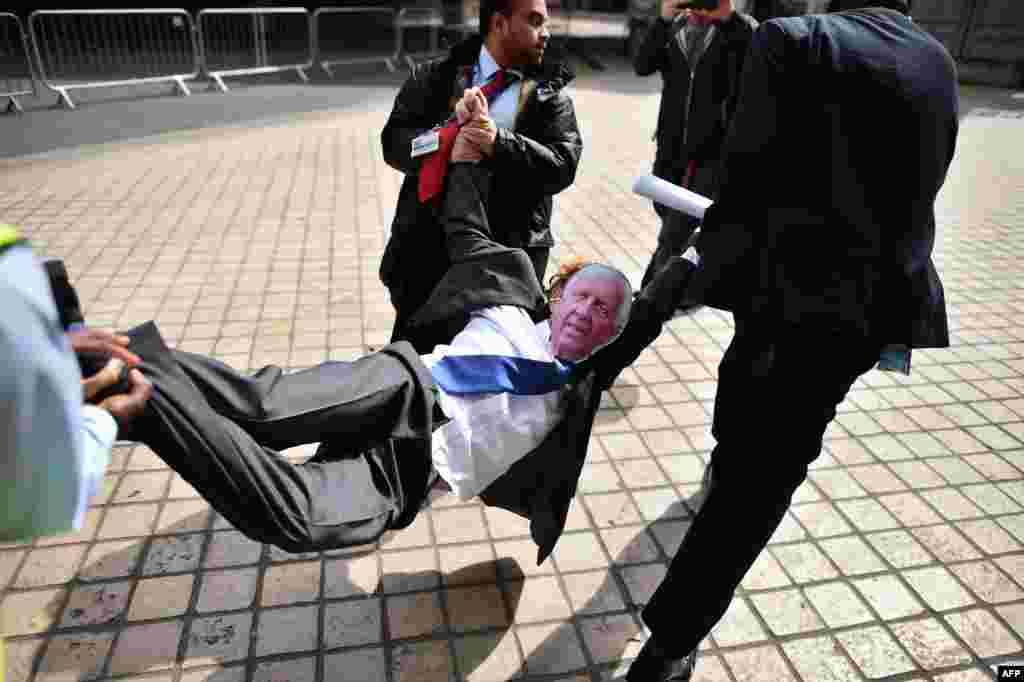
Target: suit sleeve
(482, 272)
(414, 112)
(550, 158)
(652, 55)
(655, 306)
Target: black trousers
(407, 300)
(220, 430)
(777, 392)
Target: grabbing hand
(670, 9)
(481, 132)
(96, 342)
(473, 103)
(125, 405)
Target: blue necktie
(468, 374)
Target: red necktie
(435, 166)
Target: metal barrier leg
(181, 87)
(390, 64)
(13, 106)
(302, 74)
(218, 83)
(327, 69)
(63, 98)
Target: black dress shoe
(652, 665)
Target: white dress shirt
(53, 449)
(490, 432)
(503, 108)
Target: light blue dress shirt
(53, 449)
(503, 108)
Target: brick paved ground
(902, 557)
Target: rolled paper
(673, 196)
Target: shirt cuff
(691, 255)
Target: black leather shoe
(651, 665)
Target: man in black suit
(820, 244)
(376, 417)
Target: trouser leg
(775, 399)
(676, 229)
(190, 422)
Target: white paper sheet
(673, 196)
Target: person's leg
(774, 402)
(379, 396)
(314, 506)
(676, 228)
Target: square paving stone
(79, 656)
(145, 648)
(594, 592)
(946, 543)
(488, 657)
(286, 630)
(875, 652)
(353, 622)
(889, 597)
(291, 583)
(819, 658)
(428, 661)
(738, 626)
(25, 613)
(899, 548)
(986, 636)
(852, 555)
(550, 648)
(476, 608)
(296, 670)
(930, 644)
(231, 548)
(642, 580)
(219, 639)
(988, 582)
(359, 664)
(115, 559)
(161, 597)
(409, 570)
(760, 663)
(96, 604)
(786, 612)
(608, 637)
(173, 554)
(352, 576)
(413, 615)
(227, 590)
(938, 588)
(804, 562)
(838, 605)
(50, 566)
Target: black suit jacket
(844, 130)
(483, 273)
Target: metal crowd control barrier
(417, 30)
(355, 35)
(77, 49)
(16, 78)
(242, 42)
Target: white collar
(488, 67)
